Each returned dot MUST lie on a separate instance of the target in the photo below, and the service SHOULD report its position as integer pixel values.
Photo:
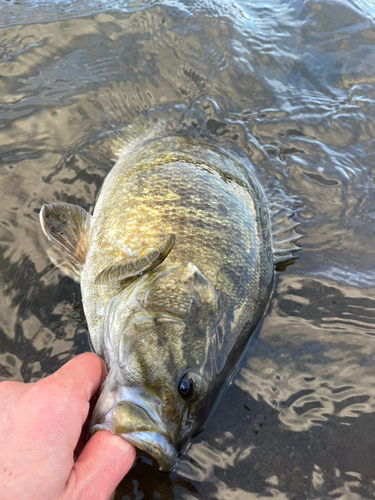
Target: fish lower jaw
(154, 443)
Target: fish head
(159, 345)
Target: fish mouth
(138, 427)
(155, 444)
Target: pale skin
(40, 425)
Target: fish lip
(144, 429)
(155, 443)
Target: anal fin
(67, 229)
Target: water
(290, 84)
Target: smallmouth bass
(176, 266)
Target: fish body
(176, 266)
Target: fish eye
(190, 386)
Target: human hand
(40, 425)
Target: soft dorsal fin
(130, 268)
(67, 229)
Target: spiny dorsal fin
(283, 234)
(67, 229)
(128, 269)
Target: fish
(175, 265)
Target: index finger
(80, 378)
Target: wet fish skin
(194, 311)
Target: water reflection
(288, 84)
(322, 363)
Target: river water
(291, 85)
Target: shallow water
(290, 84)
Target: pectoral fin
(130, 268)
(67, 229)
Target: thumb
(102, 464)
